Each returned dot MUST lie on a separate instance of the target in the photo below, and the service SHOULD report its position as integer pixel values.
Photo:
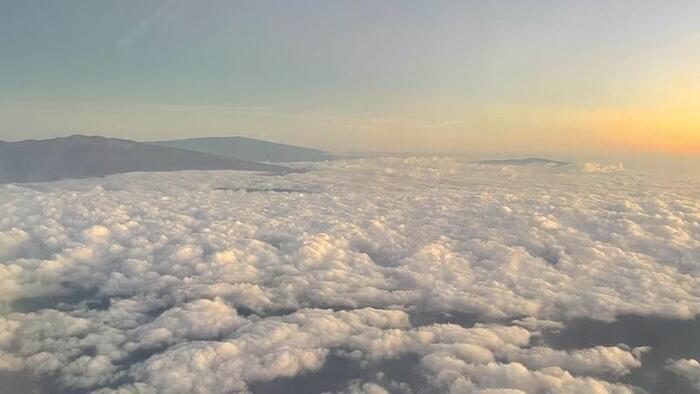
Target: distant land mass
(530, 161)
(248, 149)
(80, 156)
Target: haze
(610, 79)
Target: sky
(567, 78)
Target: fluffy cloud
(186, 282)
(598, 167)
(687, 368)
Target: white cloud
(201, 319)
(687, 368)
(170, 284)
(598, 167)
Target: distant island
(81, 156)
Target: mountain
(248, 149)
(83, 156)
(530, 161)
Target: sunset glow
(454, 77)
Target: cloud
(201, 319)
(163, 282)
(687, 368)
(598, 167)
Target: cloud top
(185, 282)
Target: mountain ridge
(246, 148)
(81, 156)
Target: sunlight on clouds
(164, 282)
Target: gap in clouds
(669, 339)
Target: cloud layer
(212, 281)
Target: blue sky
(444, 76)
